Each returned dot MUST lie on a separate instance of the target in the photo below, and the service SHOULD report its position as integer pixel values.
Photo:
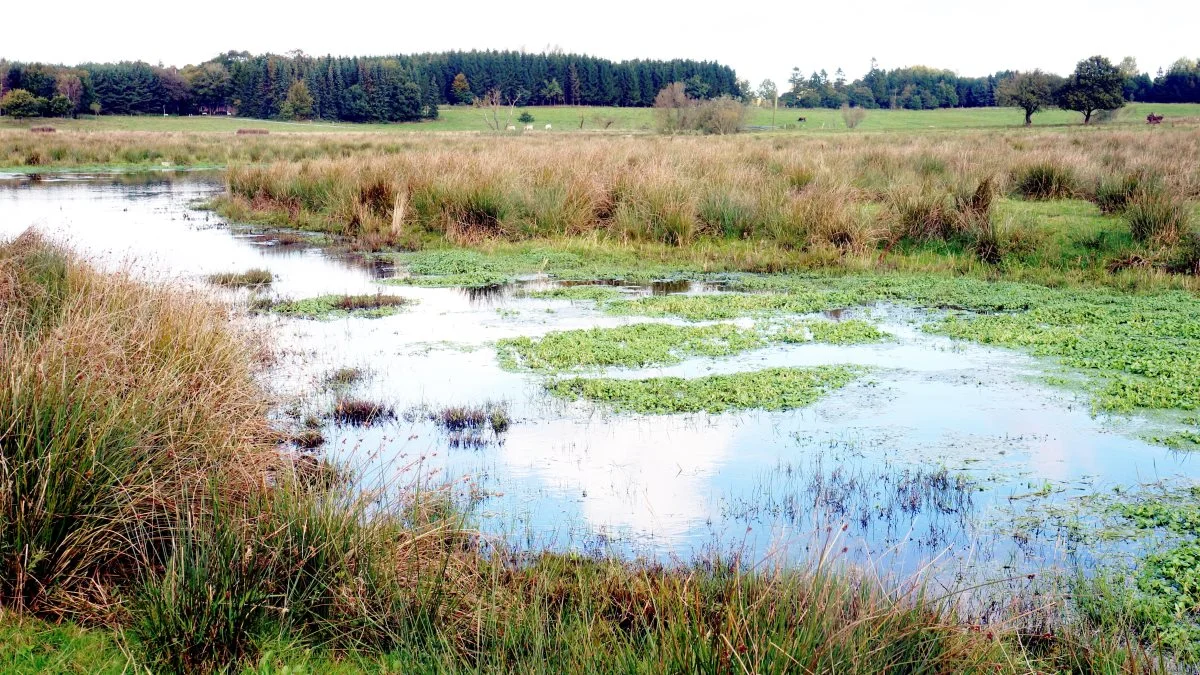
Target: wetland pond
(937, 449)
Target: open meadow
(918, 396)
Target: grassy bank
(166, 522)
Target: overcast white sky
(762, 39)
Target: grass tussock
(371, 306)
(142, 490)
(1045, 180)
(253, 278)
(361, 412)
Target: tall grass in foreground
(139, 488)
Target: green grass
(325, 307)
(566, 118)
(771, 389)
(32, 647)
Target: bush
(19, 103)
(853, 116)
(525, 117)
(1154, 216)
(1046, 180)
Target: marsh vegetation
(804, 283)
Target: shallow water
(928, 456)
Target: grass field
(567, 118)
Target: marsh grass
(326, 307)
(361, 412)
(253, 278)
(917, 202)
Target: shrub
(1045, 180)
(19, 103)
(853, 116)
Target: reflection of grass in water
(334, 306)
(646, 344)
(880, 500)
(771, 389)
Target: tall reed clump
(1045, 180)
(1158, 217)
(117, 399)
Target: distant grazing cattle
(801, 119)
(1153, 119)
(510, 128)
(528, 127)
(548, 127)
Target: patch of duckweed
(593, 293)
(635, 345)
(721, 306)
(771, 389)
(336, 306)
(649, 344)
(847, 332)
(1141, 351)
(1180, 440)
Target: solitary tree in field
(1095, 85)
(1028, 91)
(491, 103)
(673, 108)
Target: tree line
(354, 89)
(923, 88)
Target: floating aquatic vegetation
(336, 306)
(771, 389)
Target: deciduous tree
(1095, 85)
(1030, 92)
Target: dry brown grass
(846, 192)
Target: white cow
(528, 127)
(510, 128)
(548, 127)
